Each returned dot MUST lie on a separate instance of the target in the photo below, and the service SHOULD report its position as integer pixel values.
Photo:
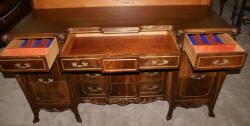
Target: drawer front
(221, 62)
(94, 84)
(23, 65)
(120, 65)
(84, 64)
(150, 82)
(159, 62)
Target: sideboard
(121, 52)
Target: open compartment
(120, 52)
(210, 51)
(29, 54)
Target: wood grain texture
(49, 4)
(60, 20)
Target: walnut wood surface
(59, 20)
(48, 4)
(121, 45)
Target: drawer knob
(83, 64)
(198, 77)
(94, 89)
(151, 73)
(164, 62)
(216, 62)
(24, 66)
(92, 75)
(150, 88)
(46, 82)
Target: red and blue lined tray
(209, 43)
(205, 39)
(37, 43)
(29, 47)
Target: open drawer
(211, 51)
(120, 50)
(32, 54)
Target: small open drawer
(213, 51)
(29, 55)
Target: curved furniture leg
(77, 116)
(36, 116)
(211, 111)
(170, 112)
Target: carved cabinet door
(193, 85)
(48, 87)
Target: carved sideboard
(63, 57)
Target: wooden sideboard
(120, 55)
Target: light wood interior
(190, 51)
(49, 4)
(228, 40)
(98, 43)
(15, 43)
(52, 53)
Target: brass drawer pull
(164, 62)
(151, 73)
(94, 90)
(24, 66)
(92, 75)
(198, 77)
(83, 64)
(46, 82)
(150, 88)
(216, 62)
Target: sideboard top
(52, 4)
(60, 20)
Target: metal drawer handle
(216, 62)
(83, 64)
(198, 77)
(164, 62)
(94, 90)
(151, 73)
(46, 82)
(24, 66)
(92, 75)
(150, 88)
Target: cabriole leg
(36, 116)
(170, 111)
(77, 116)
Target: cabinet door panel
(193, 85)
(49, 87)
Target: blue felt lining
(218, 39)
(24, 43)
(192, 40)
(38, 42)
(204, 40)
(49, 43)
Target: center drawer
(117, 52)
